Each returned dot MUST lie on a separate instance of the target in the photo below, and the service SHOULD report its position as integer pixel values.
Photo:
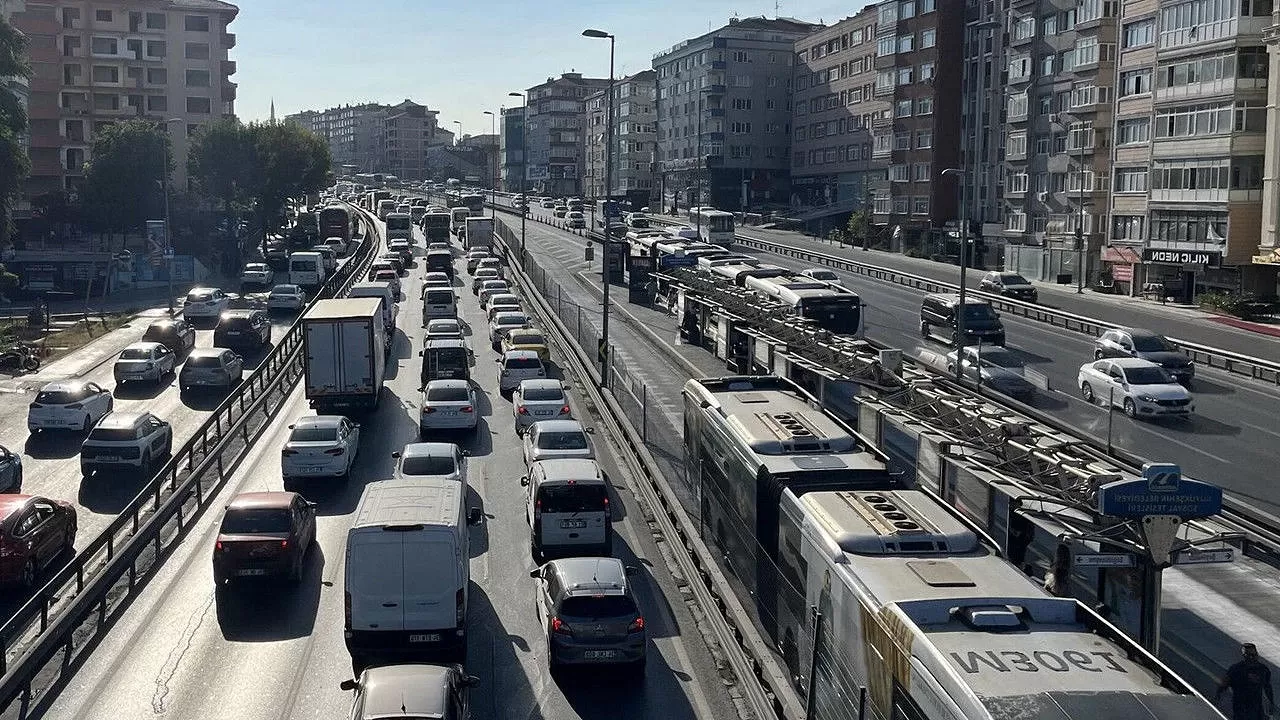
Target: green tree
(223, 160)
(128, 162)
(291, 162)
(13, 122)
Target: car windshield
(135, 354)
(1152, 343)
(572, 498)
(527, 339)
(995, 357)
(447, 394)
(439, 297)
(113, 434)
(523, 363)
(1014, 279)
(251, 522)
(386, 275)
(235, 323)
(59, 397)
(572, 440)
(542, 395)
(1147, 376)
(313, 433)
(823, 275)
(158, 331)
(255, 267)
(980, 311)
(600, 606)
(204, 361)
(428, 465)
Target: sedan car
(1147, 345)
(143, 361)
(257, 274)
(537, 400)
(411, 690)
(204, 303)
(432, 459)
(551, 439)
(823, 275)
(394, 259)
(589, 614)
(287, 297)
(489, 288)
(319, 446)
(527, 339)
(177, 334)
(437, 280)
(264, 534)
(1009, 284)
(490, 262)
(474, 256)
(34, 531)
(560, 211)
(444, 328)
(383, 263)
(247, 329)
(211, 367)
(502, 302)
(71, 405)
(481, 275)
(1000, 369)
(447, 405)
(504, 321)
(1140, 387)
(389, 276)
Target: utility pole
(524, 161)
(603, 354)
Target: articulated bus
(834, 308)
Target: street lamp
(168, 229)
(963, 215)
(1066, 132)
(702, 161)
(608, 193)
(493, 198)
(524, 155)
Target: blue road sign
(671, 260)
(1160, 491)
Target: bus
(714, 226)
(474, 202)
(830, 306)
(335, 221)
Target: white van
(385, 208)
(439, 303)
(407, 571)
(567, 509)
(306, 269)
(386, 294)
(458, 220)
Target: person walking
(1250, 683)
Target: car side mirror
(396, 455)
(474, 516)
(524, 480)
(349, 684)
(290, 427)
(631, 569)
(590, 431)
(470, 681)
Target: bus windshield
(720, 223)
(399, 222)
(840, 314)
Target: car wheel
(1129, 408)
(1086, 391)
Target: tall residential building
(348, 129)
(554, 132)
(378, 138)
(634, 139)
(511, 148)
(95, 63)
(1190, 139)
(406, 130)
(724, 106)
(483, 149)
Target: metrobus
(832, 307)
(474, 202)
(335, 221)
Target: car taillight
(561, 627)
(608, 515)
(287, 452)
(334, 451)
(636, 625)
(467, 409)
(284, 544)
(522, 410)
(460, 607)
(564, 410)
(428, 410)
(218, 546)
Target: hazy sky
(460, 58)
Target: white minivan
(567, 509)
(407, 571)
(306, 269)
(384, 292)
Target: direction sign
(1193, 556)
(1103, 560)
(602, 351)
(678, 260)
(1161, 491)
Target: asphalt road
(271, 652)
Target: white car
(447, 405)
(70, 405)
(516, 366)
(287, 297)
(474, 256)
(682, 232)
(481, 275)
(338, 246)
(437, 280)
(537, 400)
(504, 321)
(259, 274)
(1141, 388)
(489, 288)
(490, 262)
(144, 362)
(553, 439)
(204, 303)
(389, 276)
(576, 219)
(211, 367)
(823, 275)
(439, 246)
(445, 329)
(319, 446)
(432, 459)
(503, 302)
(131, 440)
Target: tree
(223, 160)
(291, 162)
(128, 162)
(13, 122)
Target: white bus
(832, 307)
(715, 226)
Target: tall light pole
(168, 228)
(702, 160)
(962, 213)
(603, 355)
(524, 159)
(493, 198)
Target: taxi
(527, 339)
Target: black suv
(243, 329)
(981, 321)
(1009, 284)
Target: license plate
(107, 458)
(311, 469)
(599, 654)
(251, 572)
(573, 524)
(541, 412)
(425, 638)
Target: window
(1080, 136)
(1016, 221)
(740, 128)
(900, 205)
(926, 71)
(1045, 102)
(157, 76)
(904, 76)
(924, 105)
(1016, 105)
(925, 6)
(1127, 227)
(104, 46)
(1049, 25)
(156, 21)
(1042, 146)
(1016, 145)
(928, 38)
(156, 48)
(1183, 175)
(884, 80)
(1201, 120)
(196, 23)
(106, 74)
(920, 172)
(102, 15)
(902, 108)
(887, 14)
(1089, 95)
(741, 103)
(197, 78)
(1023, 28)
(198, 105)
(1255, 8)
(106, 102)
(1246, 172)
(157, 103)
(906, 9)
(1188, 226)
(1046, 65)
(197, 51)
(886, 46)
(1200, 70)
(1130, 180)
(920, 205)
(1134, 82)
(1133, 130)
(1016, 182)
(1197, 21)
(1089, 10)
(1253, 63)
(899, 173)
(1139, 33)
(1020, 67)
(902, 141)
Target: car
(277, 255)
(247, 329)
(395, 260)
(444, 328)
(319, 446)
(402, 246)
(823, 275)
(432, 459)
(481, 275)
(339, 246)
(142, 362)
(34, 531)
(567, 509)
(575, 219)
(245, 301)
(549, 439)
(176, 333)
(527, 339)
(489, 288)
(328, 257)
(264, 534)
(474, 256)
(1140, 387)
(411, 690)
(440, 261)
(539, 399)
(515, 366)
(1000, 369)
(10, 470)
(436, 280)
(126, 440)
(504, 321)
(490, 262)
(69, 405)
(204, 303)
(981, 321)
(447, 405)
(287, 297)
(1145, 344)
(589, 613)
(211, 367)
(1009, 284)
(440, 246)
(682, 232)
(548, 203)
(560, 211)
(389, 276)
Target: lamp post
(603, 356)
(702, 161)
(168, 229)
(524, 155)
(963, 214)
(493, 198)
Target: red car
(33, 531)
(264, 534)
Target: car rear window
(603, 606)
(204, 361)
(439, 297)
(59, 397)
(429, 465)
(446, 394)
(284, 290)
(235, 323)
(522, 363)
(542, 394)
(302, 265)
(199, 297)
(314, 434)
(572, 498)
(113, 434)
(512, 320)
(249, 522)
(135, 354)
(527, 339)
(562, 441)
(385, 275)
(158, 331)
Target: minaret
(273, 111)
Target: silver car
(144, 362)
(480, 276)
(589, 614)
(411, 690)
(504, 321)
(319, 446)
(489, 288)
(447, 405)
(540, 399)
(287, 297)
(432, 459)
(445, 328)
(551, 439)
(211, 367)
(518, 365)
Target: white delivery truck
(479, 233)
(344, 351)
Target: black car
(1009, 284)
(10, 470)
(981, 321)
(440, 261)
(177, 334)
(243, 329)
(277, 256)
(1147, 345)
(395, 259)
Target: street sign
(1104, 560)
(1194, 556)
(602, 352)
(1160, 491)
(678, 260)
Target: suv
(1147, 345)
(589, 614)
(250, 329)
(1009, 284)
(126, 440)
(981, 321)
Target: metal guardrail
(76, 602)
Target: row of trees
(13, 122)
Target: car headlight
(1147, 398)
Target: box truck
(344, 351)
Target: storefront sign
(1122, 273)
(1182, 257)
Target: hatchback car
(211, 368)
(126, 441)
(1139, 387)
(447, 405)
(1147, 345)
(589, 613)
(432, 459)
(243, 329)
(204, 303)
(177, 334)
(71, 405)
(527, 339)
(516, 366)
(287, 297)
(995, 367)
(1009, 284)
(437, 280)
(257, 274)
(503, 322)
(502, 302)
(550, 439)
(34, 531)
(319, 446)
(537, 400)
(144, 362)
(479, 277)
(264, 534)
(411, 690)
(823, 275)
(444, 329)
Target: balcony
(886, 62)
(719, 65)
(228, 40)
(884, 91)
(715, 89)
(228, 91)
(228, 68)
(1207, 195)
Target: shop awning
(1119, 254)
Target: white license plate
(251, 572)
(311, 469)
(107, 458)
(426, 638)
(542, 412)
(599, 654)
(571, 524)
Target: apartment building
(96, 63)
(402, 137)
(511, 148)
(349, 130)
(554, 132)
(634, 139)
(375, 137)
(1190, 142)
(724, 115)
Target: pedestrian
(1250, 683)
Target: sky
(460, 58)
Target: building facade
(511, 149)
(484, 152)
(724, 110)
(402, 137)
(378, 138)
(349, 130)
(97, 63)
(554, 132)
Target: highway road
(185, 651)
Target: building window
(1201, 120)
(196, 23)
(1188, 226)
(1046, 65)
(1133, 130)
(1198, 21)
(1016, 182)
(904, 76)
(156, 21)
(1127, 227)
(926, 71)
(925, 6)
(1016, 106)
(1049, 25)
(157, 48)
(886, 46)
(197, 78)
(1016, 145)
(1134, 82)
(1088, 95)
(106, 74)
(887, 14)
(902, 108)
(102, 15)
(1020, 67)
(902, 141)
(1139, 33)
(199, 105)
(1023, 28)
(157, 76)
(1042, 146)
(1080, 136)
(197, 51)
(1131, 180)
(740, 128)
(157, 103)
(920, 172)
(928, 38)
(104, 46)
(920, 205)
(1015, 222)
(906, 9)
(899, 173)
(900, 205)
(1246, 172)
(742, 103)
(1089, 10)
(1212, 174)
(924, 105)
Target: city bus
(714, 226)
(474, 202)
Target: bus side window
(904, 708)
